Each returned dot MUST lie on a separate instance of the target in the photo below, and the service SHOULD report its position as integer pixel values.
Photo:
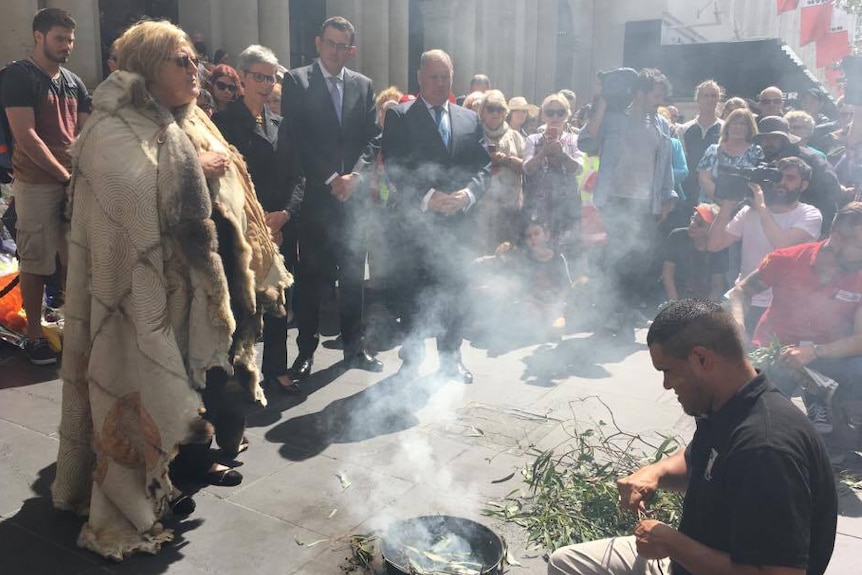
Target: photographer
(823, 191)
(634, 189)
(773, 218)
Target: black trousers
(274, 327)
(329, 249)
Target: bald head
(771, 102)
(435, 77)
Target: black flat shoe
(364, 362)
(224, 478)
(300, 369)
(456, 370)
(182, 505)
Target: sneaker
(818, 414)
(39, 352)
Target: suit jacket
(278, 185)
(325, 147)
(416, 159)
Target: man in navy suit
(329, 113)
(434, 156)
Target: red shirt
(802, 309)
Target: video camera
(618, 87)
(732, 182)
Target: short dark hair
(649, 78)
(849, 216)
(480, 79)
(47, 18)
(798, 163)
(687, 323)
(339, 23)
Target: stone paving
(407, 448)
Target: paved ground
(406, 447)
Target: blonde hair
(746, 115)
(494, 97)
(735, 103)
(145, 45)
(802, 117)
(390, 94)
(665, 113)
(558, 98)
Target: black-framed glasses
(495, 109)
(184, 61)
(771, 101)
(558, 112)
(336, 45)
(260, 78)
(222, 86)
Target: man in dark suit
(329, 112)
(434, 156)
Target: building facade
(527, 47)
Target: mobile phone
(552, 133)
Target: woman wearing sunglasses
(500, 208)
(248, 124)
(552, 162)
(225, 86)
(169, 257)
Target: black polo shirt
(695, 141)
(760, 484)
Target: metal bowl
(420, 536)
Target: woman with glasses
(224, 85)
(499, 209)
(552, 162)
(735, 148)
(170, 258)
(248, 124)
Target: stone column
(546, 49)
(204, 17)
(274, 24)
(464, 44)
(239, 23)
(351, 10)
(373, 43)
(528, 50)
(17, 38)
(86, 59)
(399, 43)
(439, 23)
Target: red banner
(832, 48)
(815, 19)
(787, 5)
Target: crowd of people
(190, 211)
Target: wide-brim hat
(775, 126)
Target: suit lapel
(320, 90)
(423, 118)
(351, 96)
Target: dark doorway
(305, 20)
(117, 15)
(416, 44)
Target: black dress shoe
(301, 368)
(182, 505)
(364, 362)
(456, 370)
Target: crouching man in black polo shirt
(760, 495)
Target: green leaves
(571, 493)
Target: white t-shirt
(755, 245)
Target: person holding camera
(552, 163)
(735, 148)
(824, 190)
(635, 188)
(771, 219)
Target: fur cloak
(149, 307)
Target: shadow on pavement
(17, 370)
(383, 408)
(575, 357)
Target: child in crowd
(527, 285)
(689, 270)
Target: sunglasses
(259, 78)
(698, 221)
(558, 112)
(494, 109)
(336, 45)
(183, 61)
(222, 86)
(771, 101)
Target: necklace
(259, 119)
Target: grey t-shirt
(635, 171)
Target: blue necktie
(442, 126)
(335, 92)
